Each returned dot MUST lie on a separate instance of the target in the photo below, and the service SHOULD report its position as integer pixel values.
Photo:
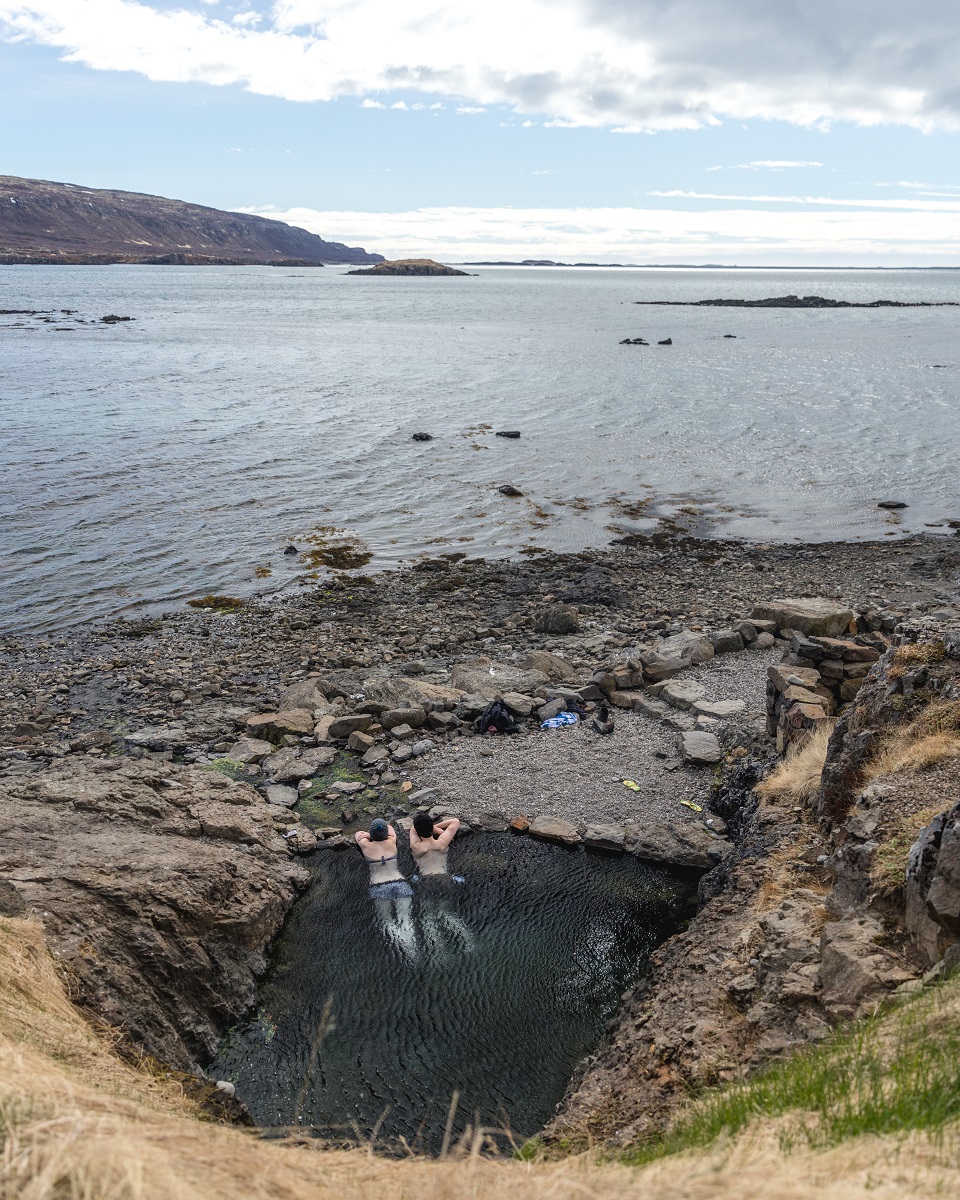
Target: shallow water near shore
(377, 1014)
(178, 454)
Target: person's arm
(361, 836)
(449, 829)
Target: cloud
(768, 164)
(952, 203)
(631, 65)
(646, 235)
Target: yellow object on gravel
(690, 804)
(632, 785)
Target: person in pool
(430, 840)
(389, 890)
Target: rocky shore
(157, 776)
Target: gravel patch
(578, 775)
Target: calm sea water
(148, 462)
(377, 1014)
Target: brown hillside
(48, 222)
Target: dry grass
(78, 1124)
(797, 776)
(930, 738)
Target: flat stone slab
(688, 645)
(718, 708)
(605, 837)
(820, 616)
(249, 750)
(682, 693)
(290, 764)
(284, 796)
(554, 829)
(701, 749)
(678, 844)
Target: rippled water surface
(377, 1014)
(178, 454)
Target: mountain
(44, 222)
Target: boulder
(305, 694)
(817, 617)
(554, 829)
(152, 900)
(551, 665)
(519, 705)
(783, 676)
(689, 646)
(557, 619)
(678, 844)
(291, 763)
(403, 692)
(360, 742)
(700, 748)
(486, 678)
(342, 727)
(250, 750)
(855, 970)
(682, 693)
(275, 726)
(658, 667)
(412, 716)
(728, 641)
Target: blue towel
(561, 719)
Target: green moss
(229, 767)
(217, 603)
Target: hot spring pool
(376, 1015)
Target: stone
(411, 717)
(658, 667)
(650, 706)
(424, 746)
(678, 844)
(285, 797)
(321, 731)
(173, 736)
(699, 748)
(344, 787)
(557, 619)
(273, 727)
(361, 742)
(820, 617)
(441, 722)
(892, 504)
(604, 837)
(764, 641)
(855, 970)
(342, 727)
(719, 709)
(379, 754)
(554, 829)
(489, 679)
(846, 651)
(551, 665)
(688, 645)
(301, 839)
(403, 733)
(224, 1085)
(551, 709)
(519, 705)
(747, 630)
(507, 489)
(727, 641)
(492, 823)
(291, 763)
(682, 693)
(249, 750)
(304, 694)
(932, 885)
(783, 676)
(520, 824)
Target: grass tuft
(797, 776)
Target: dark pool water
(376, 1015)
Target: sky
(755, 132)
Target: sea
(246, 410)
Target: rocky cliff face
(42, 221)
(825, 910)
(159, 888)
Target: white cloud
(642, 235)
(906, 202)
(633, 65)
(768, 164)
(368, 103)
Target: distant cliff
(409, 266)
(43, 222)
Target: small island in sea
(409, 266)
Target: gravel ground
(576, 774)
